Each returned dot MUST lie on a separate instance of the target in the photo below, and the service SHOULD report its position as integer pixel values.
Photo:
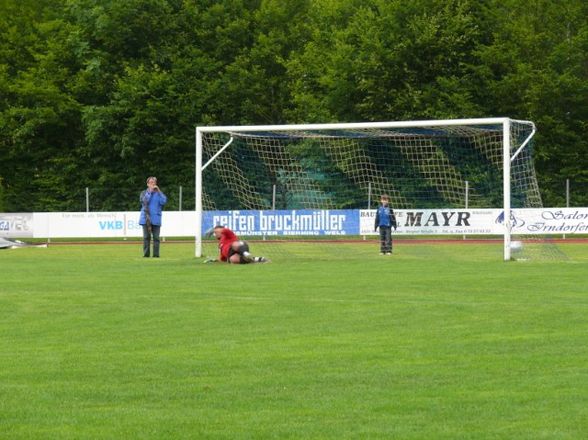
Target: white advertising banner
(482, 221)
(438, 221)
(109, 224)
(550, 221)
(16, 225)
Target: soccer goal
(450, 164)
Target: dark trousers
(385, 239)
(147, 240)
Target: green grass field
(435, 342)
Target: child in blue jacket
(385, 220)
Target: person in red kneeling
(231, 249)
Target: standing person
(385, 220)
(232, 250)
(152, 201)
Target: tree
(39, 120)
(533, 66)
(386, 60)
(101, 93)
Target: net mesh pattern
(433, 167)
(336, 169)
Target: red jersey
(225, 241)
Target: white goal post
(430, 146)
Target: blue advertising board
(290, 222)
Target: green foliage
(534, 67)
(388, 60)
(101, 93)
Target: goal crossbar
(361, 125)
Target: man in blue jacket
(152, 201)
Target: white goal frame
(507, 157)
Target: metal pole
(467, 198)
(180, 197)
(87, 199)
(567, 197)
(506, 186)
(273, 197)
(369, 201)
(198, 193)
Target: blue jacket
(155, 201)
(385, 217)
